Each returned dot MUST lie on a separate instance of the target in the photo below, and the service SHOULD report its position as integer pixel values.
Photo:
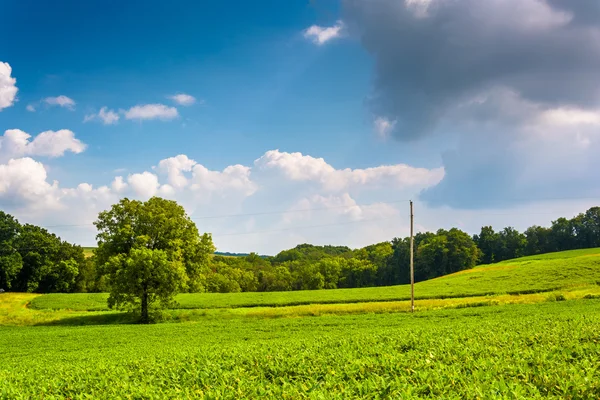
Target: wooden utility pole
(412, 267)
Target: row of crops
(519, 351)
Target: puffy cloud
(233, 177)
(8, 88)
(280, 201)
(16, 143)
(118, 184)
(174, 168)
(30, 108)
(144, 185)
(151, 111)
(61, 101)
(106, 116)
(299, 167)
(23, 183)
(183, 99)
(321, 35)
(247, 212)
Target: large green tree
(10, 259)
(150, 251)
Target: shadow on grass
(113, 318)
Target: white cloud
(30, 108)
(233, 177)
(183, 99)
(174, 168)
(151, 111)
(298, 167)
(383, 127)
(23, 183)
(16, 143)
(144, 185)
(8, 90)
(321, 35)
(106, 116)
(276, 213)
(62, 101)
(118, 185)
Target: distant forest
(35, 260)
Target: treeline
(34, 260)
(308, 267)
(580, 232)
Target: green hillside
(533, 274)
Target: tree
(512, 244)
(38, 249)
(538, 240)
(149, 251)
(462, 251)
(562, 235)
(10, 260)
(488, 243)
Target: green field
(549, 350)
(88, 251)
(471, 338)
(533, 274)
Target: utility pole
(412, 267)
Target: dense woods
(35, 260)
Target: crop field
(526, 328)
(548, 350)
(533, 274)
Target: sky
(276, 123)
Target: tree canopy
(150, 251)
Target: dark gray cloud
(429, 58)
(517, 81)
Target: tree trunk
(145, 318)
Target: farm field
(544, 273)
(525, 328)
(547, 350)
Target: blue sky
(411, 96)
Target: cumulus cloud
(299, 167)
(23, 182)
(106, 116)
(144, 185)
(183, 99)
(118, 184)
(321, 35)
(8, 88)
(174, 168)
(151, 111)
(30, 108)
(61, 101)
(27, 190)
(16, 143)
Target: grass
(535, 274)
(547, 350)
(88, 251)
(526, 328)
